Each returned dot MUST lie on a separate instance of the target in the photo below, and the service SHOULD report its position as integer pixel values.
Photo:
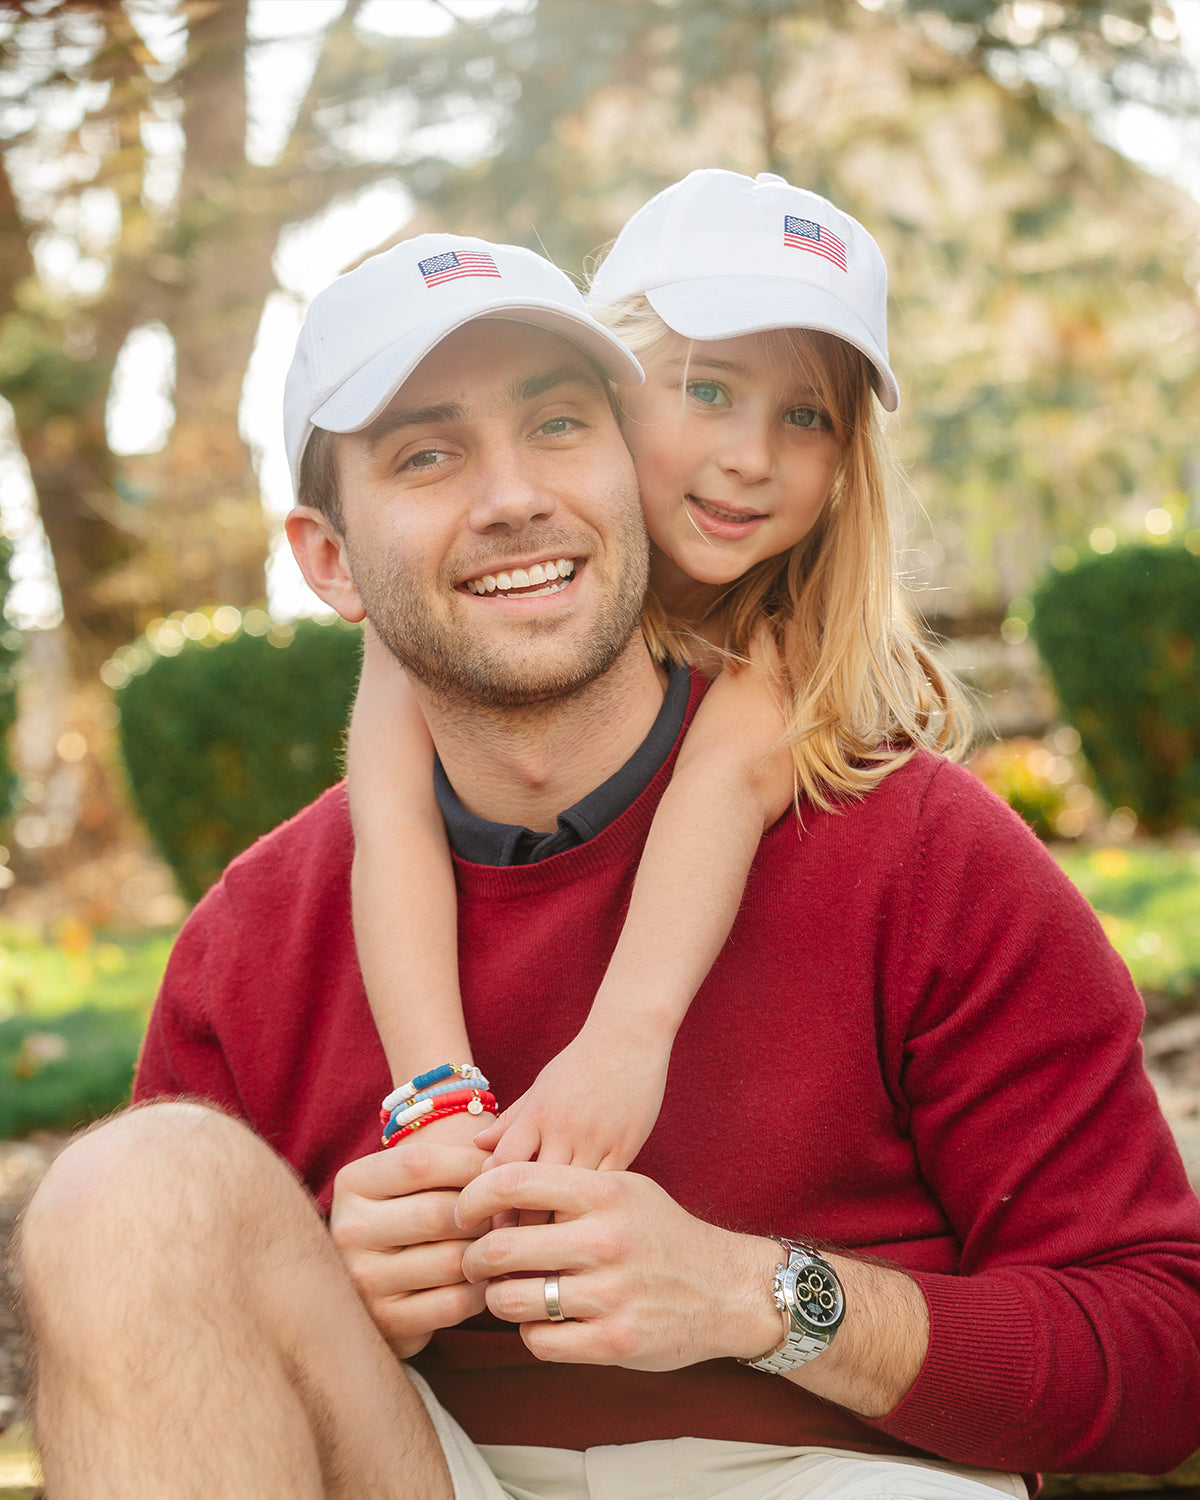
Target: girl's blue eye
(806, 416)
(556, 425)
(707, 392)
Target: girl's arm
(405, 908)
(596, 1102)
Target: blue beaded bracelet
(466, 1071)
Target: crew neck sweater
(916, 1045)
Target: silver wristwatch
(809, 1294)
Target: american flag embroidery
(456, 263)
(804, 234)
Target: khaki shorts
(698, 1469)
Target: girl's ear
(321, 553)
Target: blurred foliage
(1147, 897)
(1120, 636)
(226, 733)
(43, 974)
(1040, 780)
(1044, 323)
(10, 651)
(73, 1005)
(62, 1075)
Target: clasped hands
(642, 1282)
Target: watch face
(816, 1295)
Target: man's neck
(527, 765)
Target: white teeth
(522, 578)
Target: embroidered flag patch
(804, 234)
(455, 264)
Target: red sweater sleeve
(180, 1052)
(1068, 1340)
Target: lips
(730, 521)
(549, 577)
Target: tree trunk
(208, 537)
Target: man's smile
(539, 578)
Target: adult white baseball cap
(719, 255)
(366, 332)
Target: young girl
(759, 313)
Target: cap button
(765, 177)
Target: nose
(508, 495)
(747, 450)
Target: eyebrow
(705, 362)
(394, 418)
(537, 385)
(518, 392)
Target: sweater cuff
(972, 1393)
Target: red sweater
(955, 1086)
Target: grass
(73, 966)
(1147, 897)
(72, 1010)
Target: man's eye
(428, 458)
(807, 416)
(708, 392)
(557, 425)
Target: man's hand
(651, 1287)
(393, 1222)
(648, 1286)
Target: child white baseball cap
(366, 332)
(720, 255)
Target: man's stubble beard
(465, 669)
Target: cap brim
(728, 307)
(361, 398)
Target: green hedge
(1120, 636)
(225, 735)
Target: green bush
(225, 735)
(60, 1073)
(1120, 636)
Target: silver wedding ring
(553, 1306)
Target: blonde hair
(860, 692)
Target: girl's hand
(591, 1106)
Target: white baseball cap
(366, 332)
(719, 255)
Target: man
(938, 1079)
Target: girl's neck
(685, 600)
(678, 592)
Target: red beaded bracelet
(486, 1105)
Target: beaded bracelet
(466, 1071)
(406, 1114)
(456, 1085)
(479, 1104)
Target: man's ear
(321, 554)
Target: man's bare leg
(196, 1333)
